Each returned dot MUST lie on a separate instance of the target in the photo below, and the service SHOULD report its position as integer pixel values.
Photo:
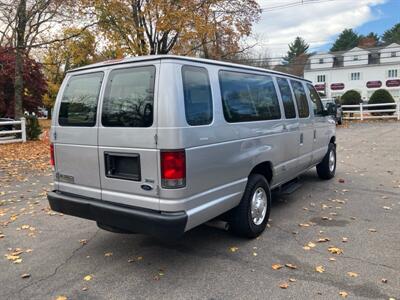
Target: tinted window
(79, 101)
(301, 99)
(197, 94)
(316, 101)
(287, 98)
(129, 98)
(248, 97)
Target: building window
(321, 78)
(355, 57)
(392, 73)
(321, 60)
(394, 54)
(355, 76)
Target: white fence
(10, 136)
(366, 111)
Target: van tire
(241, 220)
(325, 170)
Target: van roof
(184, 58)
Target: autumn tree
(203, 27)
(34, 83)
(25, 25)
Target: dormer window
(393, 54)
(321, 60)
(355, 58)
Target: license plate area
(122, 165)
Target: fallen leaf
(83, 241)
(61, 298)
(311, 245)
(255, 254)
(320, 269)
(233, 249)
(384, 280)
(277, 266)
(352, 274)
(372, 230)
(284, 286)
(332, 259)
(335, 250)
(304, 225)
(292, 280)
(345, 239)
(323, 240)
(387, 208)
(290, 266)
(84, 288)
(87, 277)
(306, 248)
(341, 180)
(343, 294)
(108, 254)
(25, 275)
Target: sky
(319, 21)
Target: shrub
(33, 129)
(351, 97)
(381, 96)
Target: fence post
(398, 110)
(23, 128)
(361, 111)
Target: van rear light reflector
(52, 162)
(173, 169)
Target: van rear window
(79, 100)
(248, 97)
(129, 98)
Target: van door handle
(301, 138)
(315, 135)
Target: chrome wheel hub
(259, 206)
(332, 160)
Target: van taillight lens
(173, 169)
(52, 162)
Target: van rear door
(128, 153)
(75, 135)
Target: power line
(293, 4)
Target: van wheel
(250, 217)
(326, 169)
(113, 229)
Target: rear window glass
(197, 94)
(248, 97)
(301, 99)
(287, 98)
(129, 98)
(316, 101)
(79, 100)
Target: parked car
(334, 107)
(162, 144)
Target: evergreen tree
(296, 49)
(392, 35)
(347, 40)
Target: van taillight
(52, 162)
(173, 169)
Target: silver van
(162, 144)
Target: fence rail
(366, 111)
(10, 136)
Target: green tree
(297, 48)
(347, 40)
(392, 35)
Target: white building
(363, 70)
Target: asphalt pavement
(328, 240)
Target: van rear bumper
(156, 223)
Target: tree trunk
(19, 60)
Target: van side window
(248, 97)
(316, 101)
(287, 98)
(197, 94)
(129, 98)
(79, 100)
(301, 99)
